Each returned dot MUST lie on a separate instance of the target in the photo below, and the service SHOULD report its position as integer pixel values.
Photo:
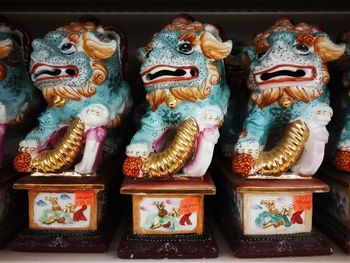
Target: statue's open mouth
(285, 73)
(41, 72)
(162, 73)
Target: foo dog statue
(17, 92)
(288, 82)
(78, 68)
(342, 156)
(183, 74)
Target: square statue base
(168, 219)
(12, 216)
(68, 214)
(332, 211)
(267, 217)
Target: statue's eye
(185, 48)
(261, 54)
(302, 48)
(68, 48)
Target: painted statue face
(58, 61)
(181, 63)
(67, 62)
(11, 60)
(172, 62)
(289, 61)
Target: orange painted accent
(242, 163)
(132, 166)
(307, 39)
(342, 160)
(302, 202)
(189, 205)
(22, 162)
(86, 197)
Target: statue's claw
(29, 146)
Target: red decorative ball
(342, 160)
(132, 166)
(242, 163)
(22, 162)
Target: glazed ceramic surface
(288, 82)
(342, 157)
(17, 92)
(168, 215)
(183, 74)
(78, 68)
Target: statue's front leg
(251, 141)
(209, 120)
(36, 140)
(3, 126)
(316, 118)
(94, 118)
(148, 139)
(342, 156)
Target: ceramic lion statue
(288, 82)
(78, 68)
(183, 74)
(17, 92)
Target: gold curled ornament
(64, 154)
(174, 157)
(286, 152)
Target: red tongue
(22, 162)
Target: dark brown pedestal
(140, 242)
(185, 246)
(102, 219)
(325, 214)
(14, 221)
(262, 245)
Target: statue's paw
(22, 162)
(137, 150)
(243, 163)
(95, 115)
(323, 115)
(208, 117)
(3, 113)
(132, 166)
(248, 146)
(29, 146)
(342, 160)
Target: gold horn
(286, 152)
(64, 154)
(173, 158)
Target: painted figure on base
(183, 74)
(78, 68)
(288, 82)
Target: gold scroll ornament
(174, 157)
(286, 152)
(64, 154)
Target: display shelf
(111, 256)
(241, 19)
(173, 5)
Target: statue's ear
(326, 49)
(213, 47)
(249, 52)
(117, 34)
(98, 49)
